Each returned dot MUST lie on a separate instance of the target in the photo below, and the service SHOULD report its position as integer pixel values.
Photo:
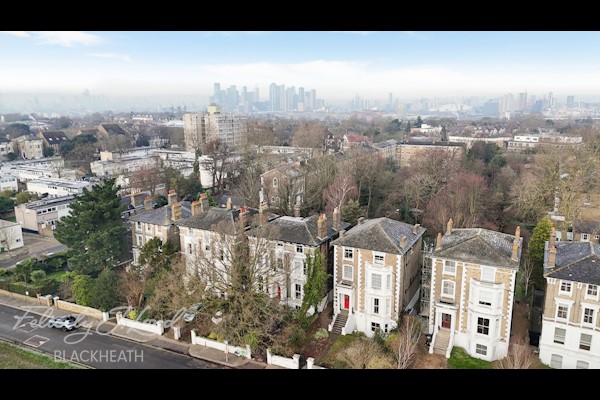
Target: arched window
(275, 182)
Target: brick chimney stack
(552, 237)
(244, 216)
(360, 220)
(322, 226)
(148, 203)
(449, 226)
(229, 203)
(196, 207)
(203, 202)
(337, 222)
(403, 241)
(438, 242)
(516, 243)
(172, 197)
(175, 211)
(552, 257)
(296, 210)
(263, 213)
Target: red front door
(446, 319)
(346, 301)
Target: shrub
(133, 314)
(321, 333)
(37, 276)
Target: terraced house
(377, 267)
(472, 281)
(570, 330)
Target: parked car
(66, 322)
(190, 313)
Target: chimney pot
(416, 228)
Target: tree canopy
(94, 230)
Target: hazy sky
(337, 64)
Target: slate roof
(214, 216)
(586, 226)
(480, 246)
(575, 261)
(162, 216)
(381, 234)
(113, 129)
(301, 230)
(54, 137)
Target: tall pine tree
(94, 230)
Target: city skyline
(340, 65)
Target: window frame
(351, 269)
(373, 275)
(562, 291)
(298, 291)
(275, 182)
(590, 317)
(482, 328)
(556, 361)
(378, 258)
(299, 249)
(591, 287)
(346, 251)
(485, 304)
(558, 311)
(556, 338)
(376, 305)
(449, 268)
(481, 349)
(443, 293)
(585, 345)
(490, 270)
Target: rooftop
(575, 261)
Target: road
(92, 347)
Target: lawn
(459, 359)
(15, 357)
(329, 359)
(58, 275)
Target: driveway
(34, 246)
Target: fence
(158, 327)
(213, 344)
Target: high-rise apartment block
(227, 128)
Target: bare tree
(57, 168)
(218, 160)
(339, 192)
(526, 273)
(404, 343)
(240, 275)
(520, 356)
(463, 199)
(320, 173)
(146, 179)
(310, 135)
(247, 186)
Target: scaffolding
(426, 279)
